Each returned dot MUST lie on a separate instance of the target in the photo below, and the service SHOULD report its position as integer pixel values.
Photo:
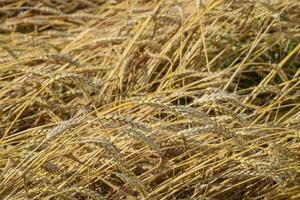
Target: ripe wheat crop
(137, 99)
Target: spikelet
(222, 109)
(13, 172)
(49, 10)
(6, 59)
(150, 44)
(63, 126)
(220, 129)
(157, 56)
(127, 25)
(188, 74)
(260, 173)
(270, 88)
(262, 169)
(55, 191)
(32, 133)
(35, 72)
(33, 41)
(89, 69)
(239, 139)
(28, 21)
(160, 104)
(140, 10)
(294, 120)
(282, 155)
(169, 19)
(108, 40)
(145, 15)
(5, 28)
(133, 182)
(84, 83)
(127, 120)
(51, 168)
(88, 192)
(9, 164)
(9, 51)
(81, 15)
(199, 3)
(216, 95)
(124, 71)
(46, 10)
(35, 144)
(109, 147)
(196, 130)
(140, 136)
(63, 58)
(59, 34)
(217, 75)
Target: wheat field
(149, 99)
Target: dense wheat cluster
(137, 99)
